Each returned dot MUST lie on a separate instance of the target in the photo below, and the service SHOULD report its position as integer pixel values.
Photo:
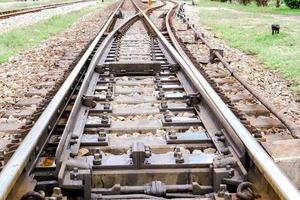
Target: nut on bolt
(97, 159)
(106, 106)
(74, 175)
(164, 104)
(101, 135)
(172, 134)
(57, 193)
(179, 157)
(104, 119)
(168, 118)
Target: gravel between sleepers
(270, 84)
(37, 73)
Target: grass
(251, 33)
(283, 9)
(21, 39)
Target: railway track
(136, 120)
(271, 128)
(22, 11)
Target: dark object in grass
(294, 4)
(275, 29)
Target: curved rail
(15, 166)
(273, 174)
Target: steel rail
(22, 11)
(63, 145)
(15, 166)
(291, 126)
(281, 184)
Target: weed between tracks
(20, 39)
(251, 32)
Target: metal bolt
(147, 152)
(106, 106)
(108, 94)
(221, 138)
(97, 159)
(176, 150)
(172, 135)
(179, 157)
(222, 190)
(57, 193)
(225, 151)
(161, 94)
(101, 135)
(104, 119)
(218, 133)
(227, 196)
(159, 85)
(14, 140)
(258, 134)
(164, 104)
(168, 118)
(74, 175)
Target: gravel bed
(38, 72)
(11, 23)
(268, 83)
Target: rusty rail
(291, 126)
(282, 185)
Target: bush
(262, 2)
(294, 4)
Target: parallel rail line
(16, 12)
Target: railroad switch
(156, 188)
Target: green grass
(21, 39)
(251, 33)
(283, 9)
(4, 1)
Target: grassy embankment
(23, 38)
(249, 30)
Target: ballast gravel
(270, 84)
(34, 76)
